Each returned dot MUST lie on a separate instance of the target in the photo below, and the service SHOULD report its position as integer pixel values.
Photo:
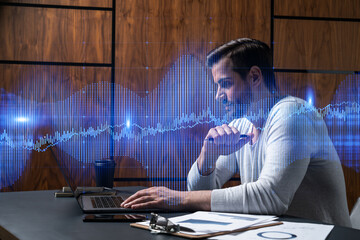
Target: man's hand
(164, 198)
(224, 141)
(156, 197)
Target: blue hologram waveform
(345, 111)
(344, 124)
(78, 125)
(47, 141)
(163, 130)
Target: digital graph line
(341, 111)
(162, 128)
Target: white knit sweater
(292, 169)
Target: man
(287, 162)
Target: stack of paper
(287, 230)
(211, 222)
(216, 224)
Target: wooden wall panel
(130, 45)
(151, 35)
(130, 168)
(41, 173)
(316, 45)
(235, 19)
(83, 3)
(196, 27)
(43, 84)
(154, 33)
(352, 183)
(318, 8)
(323, 85)
(59, 35)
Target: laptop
(107, 201)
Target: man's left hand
(156, 198)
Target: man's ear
(255, 76)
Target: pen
(212, 139)
(186, 229)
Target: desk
(39, 215)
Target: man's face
(233, 91)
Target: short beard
(242, 108)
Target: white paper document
(287, 230)
(211, 222)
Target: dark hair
(245, 53)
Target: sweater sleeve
(287, 156)
(226, 167)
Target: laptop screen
(76, 173)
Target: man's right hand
(221, 140)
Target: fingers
(148, 205)
(135, 196)
(139, 200)
(225, 140)
(227, 129)
(147, 197)
(224, 135)
(234, 130)
(212, 134)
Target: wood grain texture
(130, 168)
(49, 83)
(323, 85)
(130, 46)
(316, 45)
(82, 3)
(318, 8)
(152, 34)
(352, 183)
(236, 19)
(5, 234)
(43, 84)
(41, 173)
(56, 35)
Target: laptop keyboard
(106, 202)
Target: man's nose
(220, 96)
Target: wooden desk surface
(39, 215)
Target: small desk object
(39, 215)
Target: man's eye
(226, 84)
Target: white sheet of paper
(287, 230)
(208, 222)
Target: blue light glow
(22, 119)
(310, 96)
(162, 129)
